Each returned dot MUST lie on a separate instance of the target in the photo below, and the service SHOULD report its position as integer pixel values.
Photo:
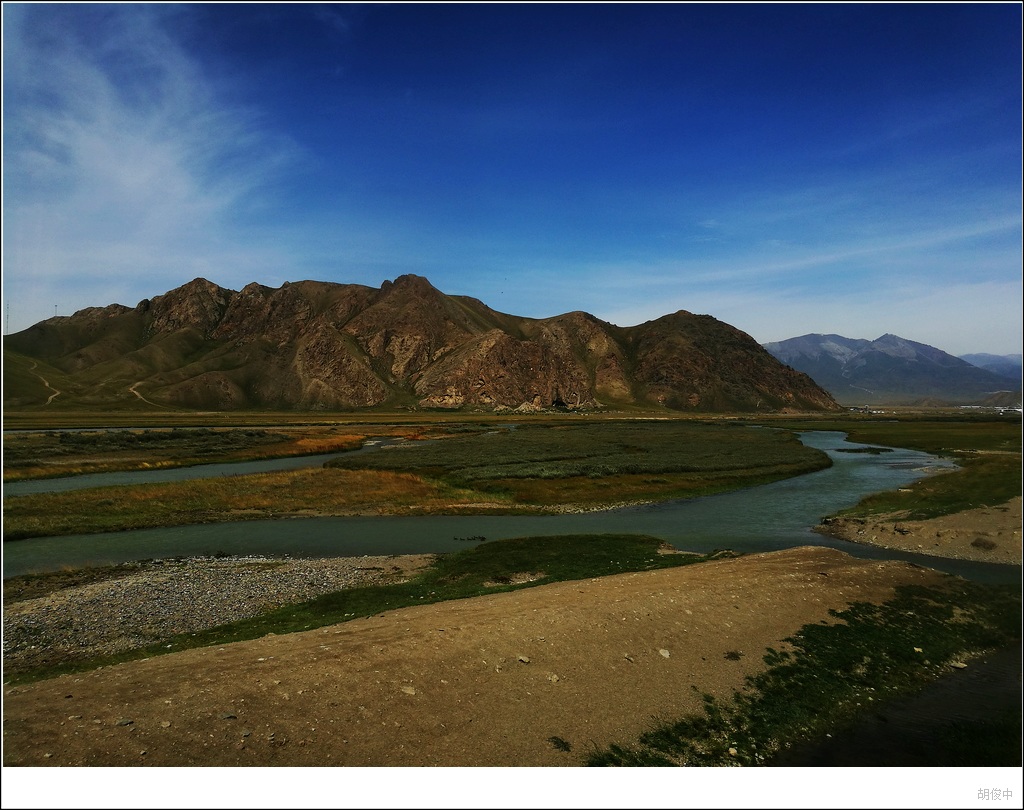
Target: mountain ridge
(889, 370)
(312, 345)
(1004, 365)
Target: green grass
(832, 670)
(533, 468)
(489, 567)
(944, 435)
(593, 450)
(602, 463)
(981, 481)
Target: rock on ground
(986, 534)
(536, 677)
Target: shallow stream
(763, 518)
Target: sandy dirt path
(505, 679)
(134, 388)
(45, 382)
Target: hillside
(890, 370)
(322, 346)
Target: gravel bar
(163, 598)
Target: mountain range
(313, 345)
(895, 371)
(1004, 365)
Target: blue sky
(788, 169)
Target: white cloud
(123, 166)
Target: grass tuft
(867, 653)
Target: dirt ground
(988, 534)
(538, 677)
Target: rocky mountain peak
(409, 283)
(200, 304)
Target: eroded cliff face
(498, 370)
(198, 305)
(314, 345)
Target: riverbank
(84, 614)
(987, 534)
(968, 717)
(541, 676)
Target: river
(763, 518)
(70, 483)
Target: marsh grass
(939, 434)
(472, 572)
(603, 463)
(980, 481)
(832, 671)
(595, 492)
(304, 492)
(472, 470)
(596, 450)
(62, 453)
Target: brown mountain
(317, 345)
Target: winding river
(764, 518)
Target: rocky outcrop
(313, 345)
(496, 369)
(198, 305)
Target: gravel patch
(160, 599)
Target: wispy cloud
(123, 155)
(332, 19)
(907, 123)
(778, 262)
(539, 179)
(951, 286)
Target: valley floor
(535, 677)
(538, 677)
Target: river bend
(757, 519)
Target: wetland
(626, 481)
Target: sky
(852, 169)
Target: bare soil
(537, 677)
(987, 534)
